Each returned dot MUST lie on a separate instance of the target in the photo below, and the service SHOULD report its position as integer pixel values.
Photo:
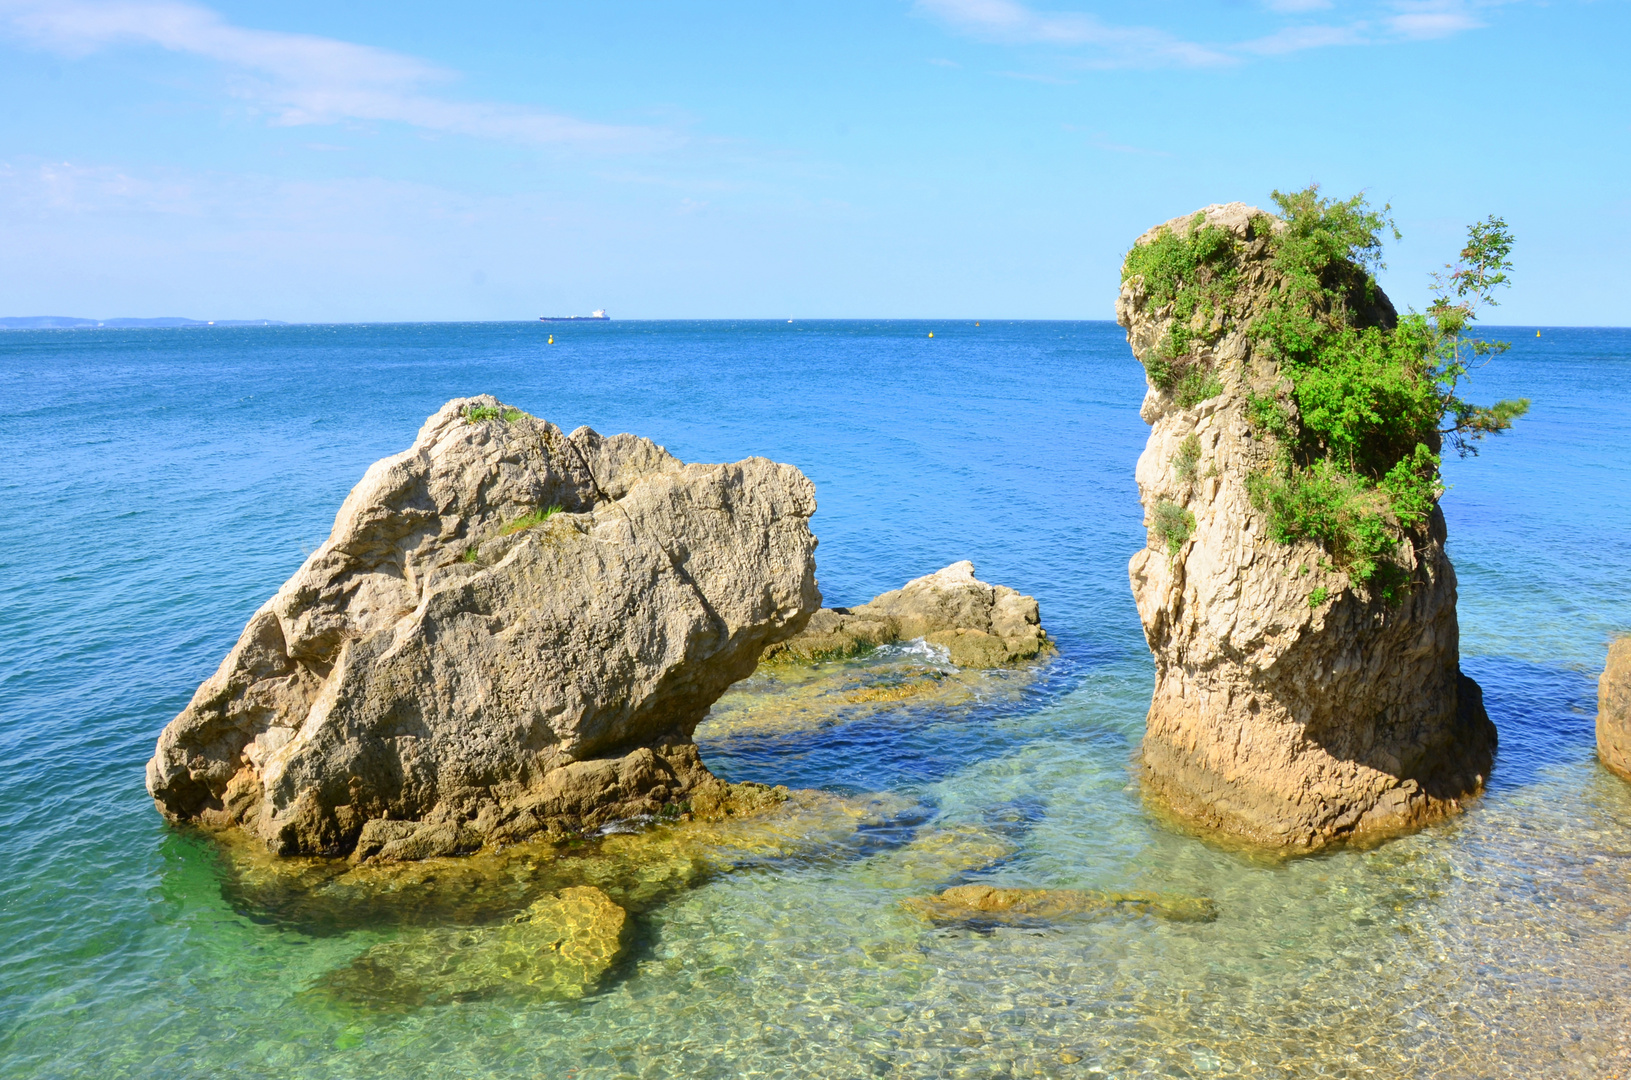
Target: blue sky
(893, 158)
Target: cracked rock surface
(509, 631)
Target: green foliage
(1172, 525)
(527, 521)
(474, 414)
(1361, 426)
(1187, 461)
(1196, 273)
(1318, 596)
(470, 555)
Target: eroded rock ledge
(509, 631)
(980, 625)
(1614, 709)
(1290, 707)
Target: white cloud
(1293, 7)
(303, 78)
(1297, 38)
(1010, 22)
(1422, 24)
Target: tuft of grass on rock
(527, 521)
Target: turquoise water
(160, 484)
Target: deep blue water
(158, 485)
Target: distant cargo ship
(598, 314)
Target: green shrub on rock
(1367, 401)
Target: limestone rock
(509, 630)
(1289, 708)
(986, 905)
(1614, 709)
(560, 947)
(979, 625)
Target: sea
(159, 484)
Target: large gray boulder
(508, 630)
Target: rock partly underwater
(978, 625)
(1291, 707)
(1614, 709)
(509, 631)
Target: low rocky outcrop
(1614, 709)
(509, 631)
(979, 625)
(986, 905)
(1291, 707)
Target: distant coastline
(73, 322)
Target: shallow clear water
(160, 484)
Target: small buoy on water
(976, 324)
(552, 339)
(931, 333)
(1537, 333)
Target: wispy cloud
(304, 78)
(1011, 22)
(1107, 45)
(1297, 38)
(1432, 19)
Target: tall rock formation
(508, 630)
(1614, 709)
(1292, 707)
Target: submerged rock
(1290, 707)
(561, 946)
(986, 905)
(509, 631)
(638, 869)
(937, 855)
(979, 625)
(1614, 709)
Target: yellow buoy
(552, 339)
(976, 324)
(931, 333)
(1537, 333)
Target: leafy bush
(474, 414)
(1172, 525)
(1187, 461)
(1196, 273)
(1362, 425)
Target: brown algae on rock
(915, 678)
(936, 855)
(561, 946)
(638, 868)
(987, 905)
